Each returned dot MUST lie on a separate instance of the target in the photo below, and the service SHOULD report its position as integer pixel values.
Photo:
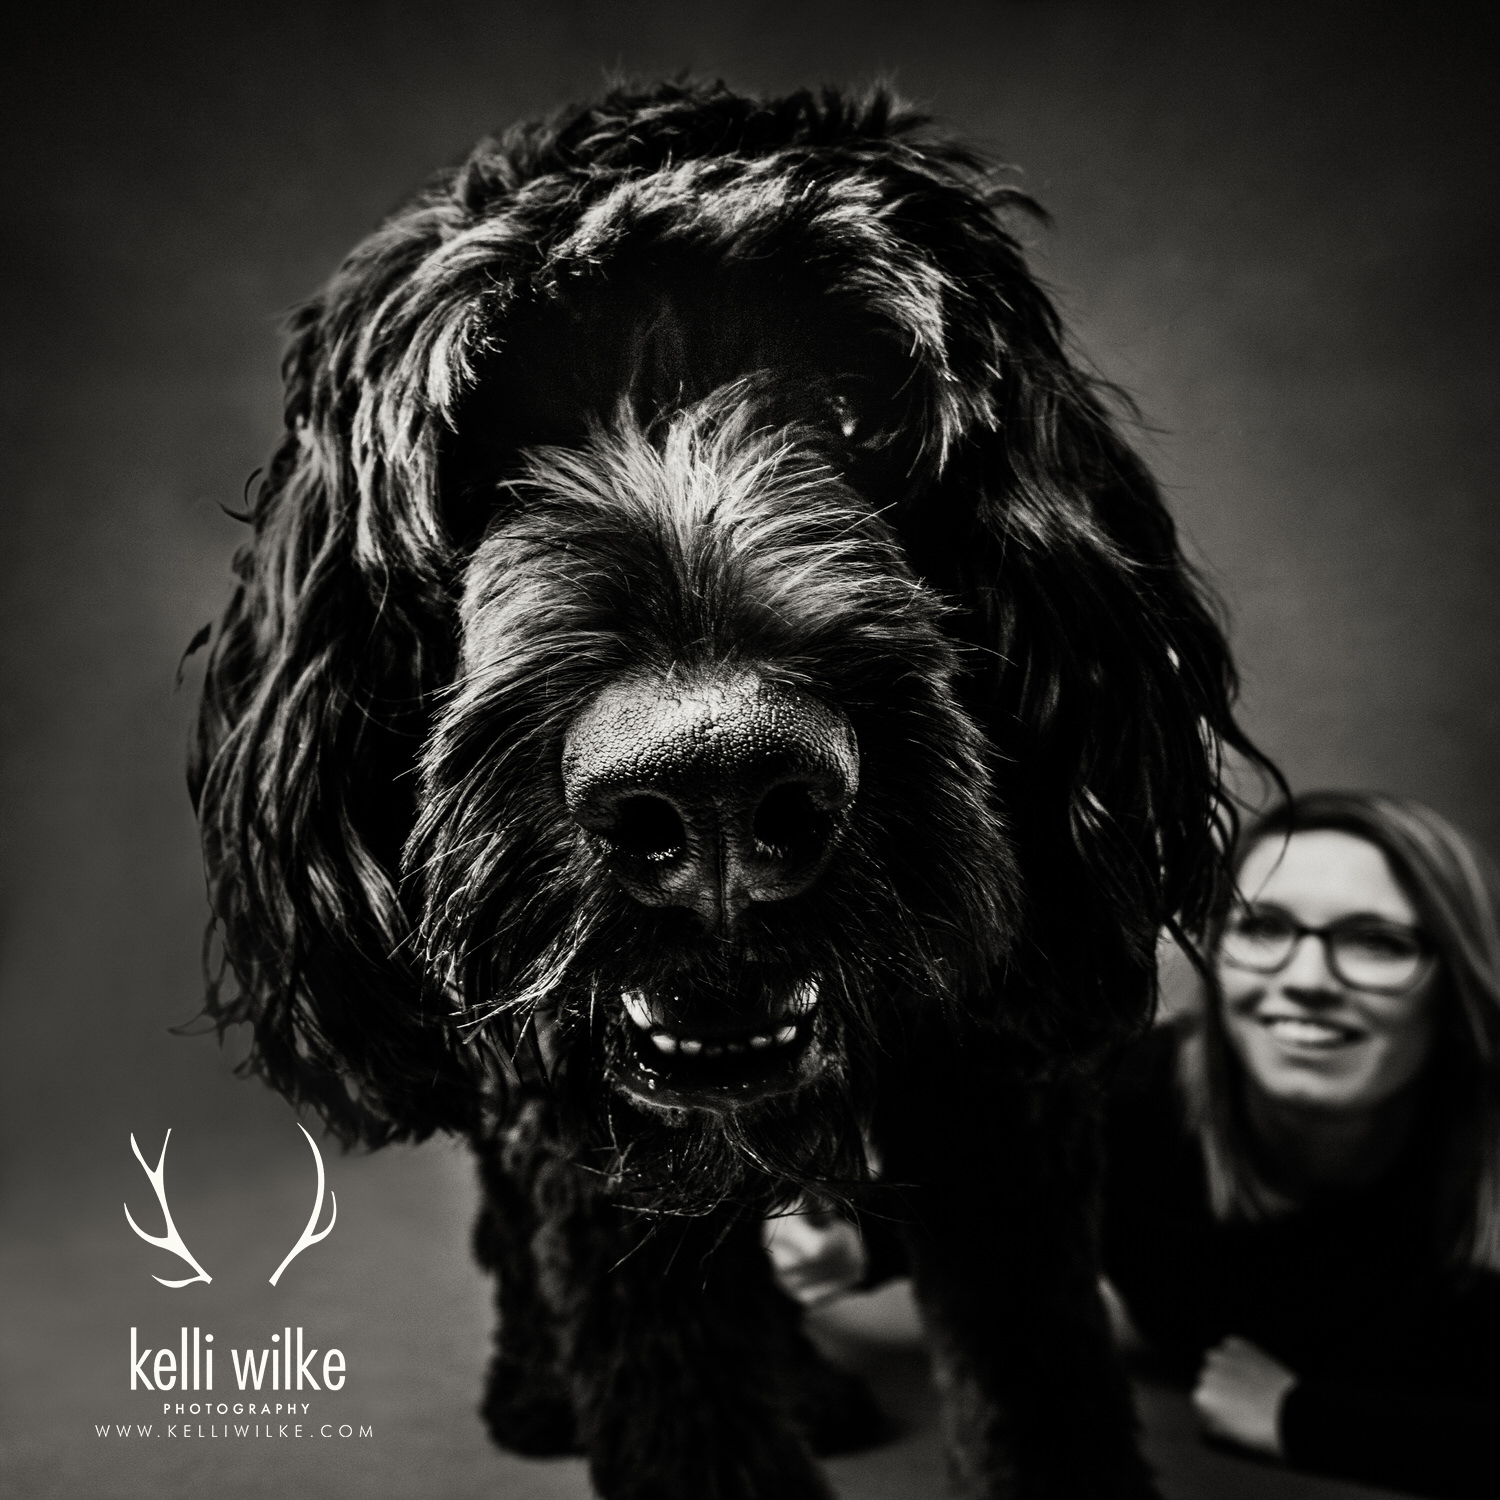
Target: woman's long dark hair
(1455, 889)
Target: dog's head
(699, 628)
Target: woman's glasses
(1364, 953)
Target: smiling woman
(1331, 1033)
(1303, 1199)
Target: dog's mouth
(695, 1056)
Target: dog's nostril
(649, 828)
(789, 823)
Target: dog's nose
(711, 795)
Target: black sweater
(1397, 1359)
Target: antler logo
(308, 1237)
(173, 1241)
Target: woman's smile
(1299, 1032)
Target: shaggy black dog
(711, 703)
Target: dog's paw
(836, 1412)
(537, 1423)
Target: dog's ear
(1097, 663)
(321, 680)
(1104, 678)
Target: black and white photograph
(749, 751)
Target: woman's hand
(816, 1253)
(1239, 1394)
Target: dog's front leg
(528, 1404)
(1001, 1178)
(672, 1340)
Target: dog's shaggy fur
(712, 701)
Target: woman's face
(1305, 1036)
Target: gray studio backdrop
(1275, 225)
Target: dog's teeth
(662, 1042)
(691, 1046)
(637, 1009)
(760, 1040)
(785, 1035)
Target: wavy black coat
(685, 382)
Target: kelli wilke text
(285, 1366)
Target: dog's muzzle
(715, 794)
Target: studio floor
(393, 1288)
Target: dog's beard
(561, 1014)
(542, 949)
(686, 1162)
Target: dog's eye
(846, 416)
(855, 412)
